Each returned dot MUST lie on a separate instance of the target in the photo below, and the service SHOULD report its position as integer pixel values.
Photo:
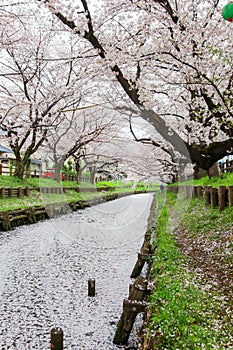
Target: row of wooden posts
(139, 290)
(8, 192)
(221, 197)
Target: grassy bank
(12, 182)
(191, 305)
(226, 180)
(37, 198)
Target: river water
(44, 272)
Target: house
(7, 158)
(35, 167)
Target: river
(44, 272)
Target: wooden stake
(207, 195)
(222, 197)
(199, 191)
(91, 288)
(214, 197)
(230, 195)
(56, 339)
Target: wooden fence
(13, 192)
(6, 192)
(221, 197)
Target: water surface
(44, 269)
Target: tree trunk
(57, 171)
(213, 171)
(19, 167)
(92, 173)
(27, 168)
(78, 172)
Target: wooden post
(195, 192)
(91, 287)
(26, 191)
(199, 191)
(189, 191)
(207, 195)
(230, 195)
(222, 197)
(20, 192)
(145, 250)
(56, 339)
(125, 324)
(6, 222)
(2, 192)
(131, 307)
(138, 289)
(31, 216)
(214, 197)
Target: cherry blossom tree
(39, 80)
(173, 62)
(79, 128)
(123, 155)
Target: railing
(226, 167)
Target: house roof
(36, 161)
(5, 149)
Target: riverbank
(191, 278)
